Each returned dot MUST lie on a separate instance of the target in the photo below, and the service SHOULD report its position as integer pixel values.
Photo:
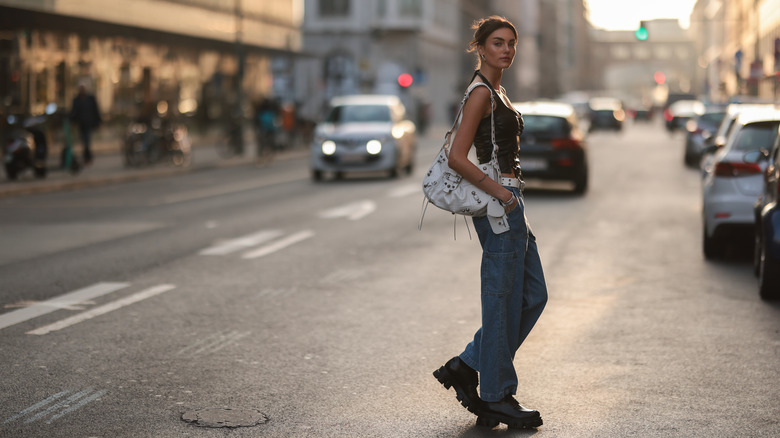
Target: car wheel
(711, 246)
(757, 253)
(768, 277)
(409, 167)
(581, 184)
(11, 172)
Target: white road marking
(406, 190)
(58, 409)
(224, 190)
(353, 211)
(62, 302)
(239, 243)
(279, 244)
(213, 343)
(97, 311)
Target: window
(410, 8)
(546, 126)
(334, 8)
(756, 136)
(359, 113)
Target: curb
(130, 175)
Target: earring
(482, 55)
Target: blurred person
(288, 123)
(84, 112)
(513, 289)
(267, 123)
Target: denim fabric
(514, 294)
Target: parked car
(717, 141)
(606, 113)
(678, 113)
(767, 230)
(363, 133)
(700, 129)
(552, 146)
(731, 188)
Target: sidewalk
(108, 168)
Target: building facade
(193, 55)
(739, 43)
(644, 72)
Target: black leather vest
(509, 126)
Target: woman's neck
(492, 75)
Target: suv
(767, 249)
(731, 187)
(364, 133)
(552, 146)
(606, 113)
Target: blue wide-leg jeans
(514, 294)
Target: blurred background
(212, 61)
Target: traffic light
(659, 77)
(641, 33)
(405, 80)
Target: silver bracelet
(507, 203)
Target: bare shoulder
(479, 97)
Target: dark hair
(485, 26)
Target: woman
(512, 282)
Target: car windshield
(756, 136)
(547, 125)
(712, 118)
(359, 113)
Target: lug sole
(491, 421)
(445, 378)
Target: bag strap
(448, 136)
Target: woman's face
(499, 49)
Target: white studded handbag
(448, 190)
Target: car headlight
(374, 147)
(328, 147)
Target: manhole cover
(225, 417)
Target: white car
(718, 140)
(731, 186)
(364, 133)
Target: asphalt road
(323, 308)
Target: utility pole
(238, 116)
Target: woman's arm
(477, 106)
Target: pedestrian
(84, 112)
(513, 290)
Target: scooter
(26, 146)
(146, 144)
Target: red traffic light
(405, 80)
(660, 77)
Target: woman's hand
(510, 204)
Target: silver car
(364, 133)
(732, 185)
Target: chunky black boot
(509, 412)
(456, 374)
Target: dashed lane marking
(213, 343)
(224, 190)
(405, 190)
(279, 244)
(352, 211)
(106, 308)
(239, 243)
(46, 410)
(68, 301)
